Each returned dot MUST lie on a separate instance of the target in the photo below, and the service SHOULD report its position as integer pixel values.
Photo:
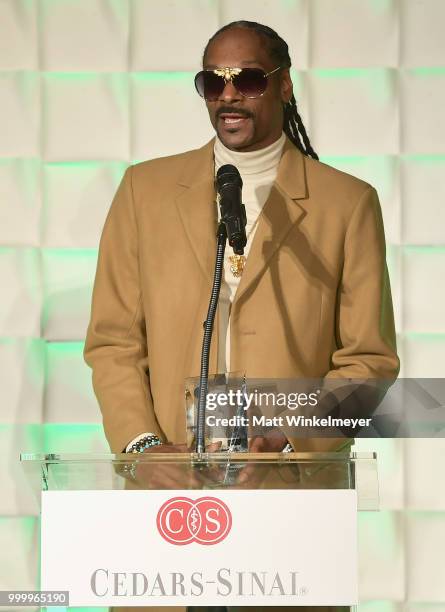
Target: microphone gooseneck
(207, 339)
(232, 226)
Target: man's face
(247, 124)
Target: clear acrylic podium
(284, 470)
(211, 472)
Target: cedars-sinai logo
(206, 520)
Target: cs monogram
(182, 520)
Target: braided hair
(293, 125)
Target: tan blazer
(314, 299)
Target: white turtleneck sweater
(258, 170)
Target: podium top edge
(186, 457)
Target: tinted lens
(250, 82)
(209, 85)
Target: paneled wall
(89, 86)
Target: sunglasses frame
(228, 74)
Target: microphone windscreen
(228, 175)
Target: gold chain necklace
(238, 262)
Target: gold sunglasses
(249, 82)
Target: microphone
(233, 212)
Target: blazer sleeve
(116, 342)
(365, 331)
(364, 362)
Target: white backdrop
(89, 86)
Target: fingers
(251, 477)
(257, 444)
(167, 448)
(167, 477)
(214, 447)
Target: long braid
(293, 125)
(292, 119)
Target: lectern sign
(182, 548)
(206, 520)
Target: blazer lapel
(197, 207)
(280, 213)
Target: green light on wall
(424, 159)
(428, 71)
(68, 279)
(428, 337)
(379, 81)
(382, 6)
(344, 73)
(84, 164)
(424, 250)
(87, 609)
(289, 5)
(25, 438)
(75, 77)
(298, 80)
(383, 530)
(171, 84)
(35, 355)
(69, 253)
(56, 351)
(74, 438)
(65, 348)
(376, 169)
(163, 77)
(345, 159)
(66, 369)
(378, 606)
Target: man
(310, 300)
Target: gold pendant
(237, 263)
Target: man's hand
(254, 474)
(170, 475)
(273, 442)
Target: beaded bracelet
(145, 442)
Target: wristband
(144, 443)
